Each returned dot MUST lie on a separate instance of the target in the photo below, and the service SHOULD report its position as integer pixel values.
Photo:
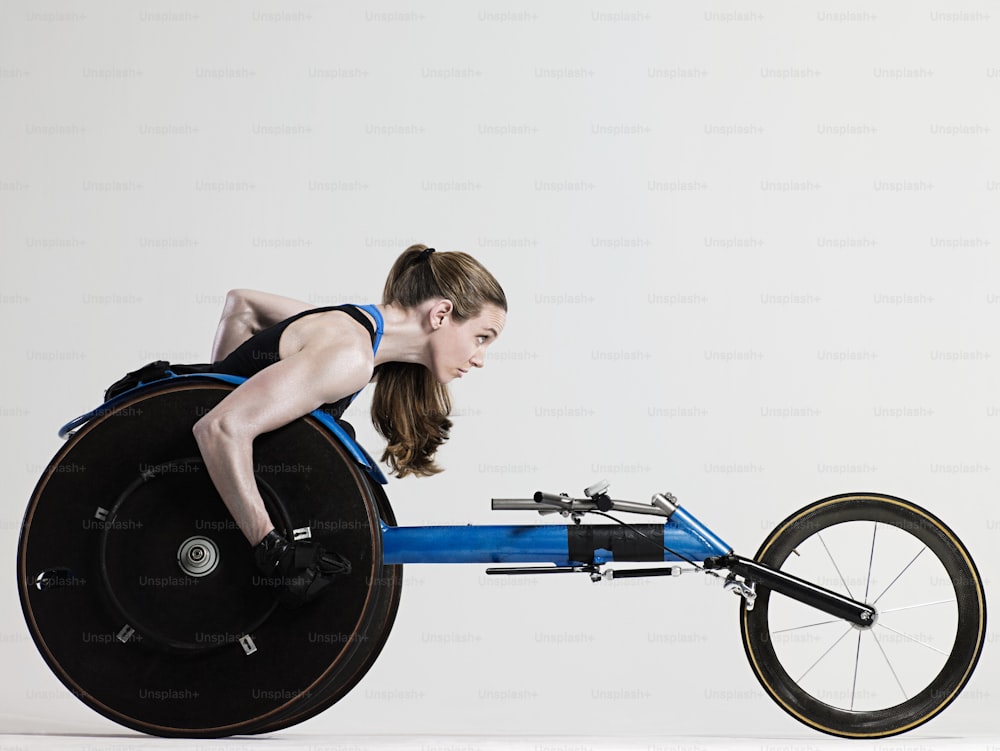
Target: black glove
(301, 568)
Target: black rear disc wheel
(141, 594)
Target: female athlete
(439, 313)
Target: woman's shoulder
(328, 328)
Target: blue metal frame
(687, 537)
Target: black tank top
(261, 350)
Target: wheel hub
(198, 556)
(870, 624)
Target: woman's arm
(247, 311)
(272, 398)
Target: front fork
(754, 574)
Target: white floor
(290, 741)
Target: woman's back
(263, 348)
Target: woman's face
(459, 346)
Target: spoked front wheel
(926, 639)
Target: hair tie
(424, 254)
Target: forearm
(230, 465)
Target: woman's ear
(439, 312)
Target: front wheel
(926, 639)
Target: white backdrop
(749, 252)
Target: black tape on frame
(625, 544)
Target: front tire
(927, 637)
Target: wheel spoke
(830, 556)
(889, 663)
(839, 638)
(913, 639)
(871, 557)
(922, 605)
(857, 658)
(808, 625)
(900, 574)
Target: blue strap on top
(379, 323)
(379, 326)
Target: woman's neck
(404, 334)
